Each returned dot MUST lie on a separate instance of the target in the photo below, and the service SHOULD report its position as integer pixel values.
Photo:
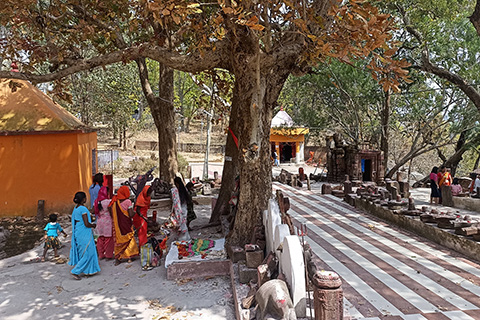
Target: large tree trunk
(255, 167)
(187, 125)
(460, 149)
(255, 94)
(385, 121)
(163, 114)
(231, 169)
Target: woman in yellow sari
(446, 178)
(122, 212)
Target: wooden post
(40, 210)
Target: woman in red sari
(140, 218)
(122, 212)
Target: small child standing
(51, 235)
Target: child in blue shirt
(51, 235)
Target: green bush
(136, 167)
(183, 166)
(142, 165)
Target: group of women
(438, 178)
(117, 219)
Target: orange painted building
(288, 141)
(45, 152)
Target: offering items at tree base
(194, 247)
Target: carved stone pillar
(327, 296)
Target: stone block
(273, 219)
(447, 197)
(246, 274)
(404, 189)
(254, 258)
(293, 182)
(207, 189)
(347, 186)
(198, 269)
(326, 188)
(445, 221)
(428, 218)
(235, 253)
(263, 274)
(281, 231)
(293, 267)
(350, 198)
(461, 224)
(393, 193)
(270, 261)
(468, 231)
(338, 193)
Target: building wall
(50, 167)
(86, 143)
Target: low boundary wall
(444, 237)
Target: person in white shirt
(476, 187)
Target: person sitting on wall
(456, 188)
(476, 187)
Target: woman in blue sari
(83, 254)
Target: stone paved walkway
(387, 273)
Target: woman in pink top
(435, 193)
(105, 241)
(456, 187)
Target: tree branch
(457, 80)
(428, 66)
(146, 87)
(188, 63)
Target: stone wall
(463, 245)
(466, 203)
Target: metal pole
(209, 128)
(205, 163)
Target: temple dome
(282, 119)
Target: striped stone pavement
(387, 273)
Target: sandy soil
(36, 290)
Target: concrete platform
(464, 206)
(466, 203)
(198, 269)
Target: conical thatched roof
(24, 108)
